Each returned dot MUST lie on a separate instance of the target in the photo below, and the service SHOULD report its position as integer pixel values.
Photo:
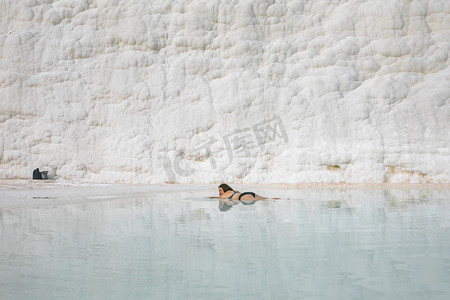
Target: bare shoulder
(225, 195)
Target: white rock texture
(140, 91)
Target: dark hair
(225, 187)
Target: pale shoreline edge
(30, 184)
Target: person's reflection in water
(225, 205)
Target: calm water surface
(319, 244)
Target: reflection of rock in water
(334, 204)
(156, 242)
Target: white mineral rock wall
(140, 91)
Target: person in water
(231, 197)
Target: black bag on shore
(37, 174)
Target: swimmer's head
(224, 188)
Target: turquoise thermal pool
(328, 243)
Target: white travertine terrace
(139, 91)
